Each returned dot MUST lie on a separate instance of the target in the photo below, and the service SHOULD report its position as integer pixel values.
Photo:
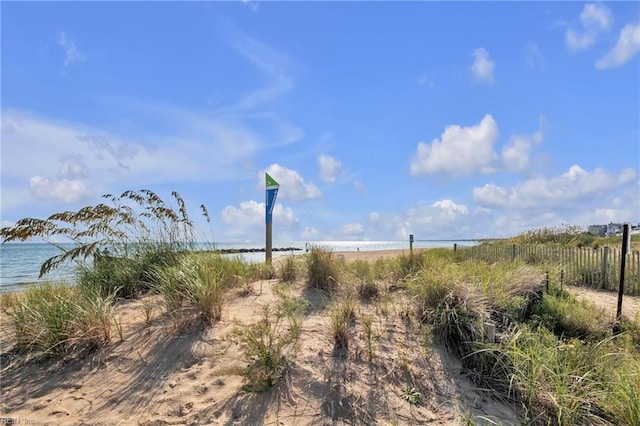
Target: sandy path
(608, 301)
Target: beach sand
(157, 375)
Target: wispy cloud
(272, 64)
(58, 157)
(534, 57)
(627, 46)
(72, 54)
(595, 18)
(482, 67)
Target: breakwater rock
(253, 250)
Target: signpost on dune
(272, 192)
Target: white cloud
(253, 5)
(627, 46)
(310, 233)
(596, 15)
(595, 18)
(576, 185)
(352, 229)
(272, 63)
(329, 168)
(460, 151)
(73, 167)
(247, 220)
(464, 151)
(65, 191)
(359, 186)
(373, 217)
(292, 185)
(534, 57)
(71, 53)
(427, 82)
(195, 148)
(482, 67)
(7, 224)
(442, 219)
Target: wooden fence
(583, 266)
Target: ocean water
(20, 262)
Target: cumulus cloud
(465, 151)
(576, 185)
(64, 190)
(482, 67)
(292, 185)
(247, 220)
(594, 18)
(460, 151)
(329, 168)
(627, 46)
(71, 52)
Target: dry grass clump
(195, 286)
(365, 278)
(289, 270)
(57, 320)
(322, 270)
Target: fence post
(455, 247)
(546, 281)
(605, 254)
(623, 257)
(561, 278)
(513, 252)
(411, 243)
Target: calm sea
(20, 262)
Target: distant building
(610, 230)
(614, 229)
(599, 230)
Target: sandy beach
(157, 375)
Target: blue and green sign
(272, 192)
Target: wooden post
(623, 257)
(546, 281)
(561, 278)
(411, 244)
(268, 240)
(603, 272)
(513, 252)
(455, 247)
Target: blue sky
(379, 120)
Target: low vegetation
(553, 356)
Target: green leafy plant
(411, 395)
(269, 347)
